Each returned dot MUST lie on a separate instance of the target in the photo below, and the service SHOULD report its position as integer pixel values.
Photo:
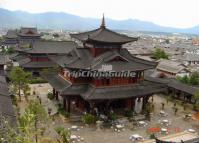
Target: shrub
(14, 100)
(113, 116)
(50, 96)
(64, 134)
(128, 113)
(196, 107)
(63, 112)
(152, 136)
(37, 80)
(88, 119)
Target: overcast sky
(174, 13)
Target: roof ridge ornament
(103, 22)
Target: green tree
(64, 134)
(88, 119)
(26, 127)
(20, 80)
(194, 78)
(196, 97)
(32, 122)
(159, 54)
(167, 41)
(184, 79)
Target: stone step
(75, 118)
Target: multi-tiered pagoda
(102, 51)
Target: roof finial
(103, 22)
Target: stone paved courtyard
(92, 135)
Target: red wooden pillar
(68, 104)
(144, 102)
(128, 104)
(54, 92)
(56, 95)
(132, 103)
(64, 102)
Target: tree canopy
(192, 80)
(159, 54)
(20, 80)
(31, 124)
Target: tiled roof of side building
(50, 47)
(58, 83)
(170, 66)
(173, 83)
(183, 87)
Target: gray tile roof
(119, 92)
(50, 47)
(191, 57)
(103, 35)
(3, 59)
(11, 34)
(28, 31)
(84, 60)
(170, 66)
(57, 82)
(172, 83)
(6, 107)
(3, 80)
(183, 87)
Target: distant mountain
(56, 20)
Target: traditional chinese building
(34, 58)
(10, 39)
(171, 69)
(102, 51)
(28, 35)
(21, 36)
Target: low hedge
(50, 96)
(37, 80)
(88, 119)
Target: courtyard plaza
(163, 121)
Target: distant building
(195, 42)
(191, 59)
(10, 39)
(171, 69)
(23, 35)
(27, 34)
